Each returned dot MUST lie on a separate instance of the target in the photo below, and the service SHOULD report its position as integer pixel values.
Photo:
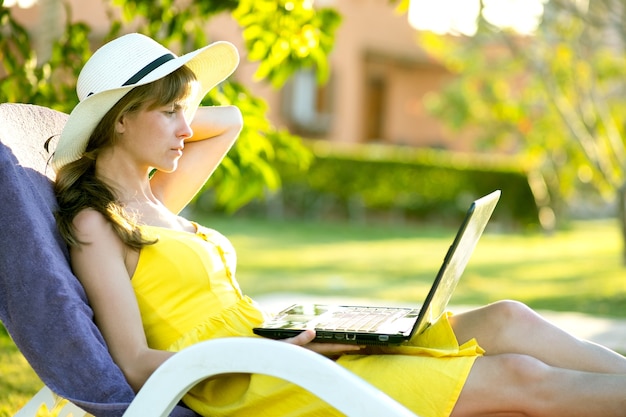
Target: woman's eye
(173, 110)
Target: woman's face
(154, 138)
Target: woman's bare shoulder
(91, 225)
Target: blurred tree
(24, 78)
(556, 97)
(282, 35)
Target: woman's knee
(512, 315)
(509, 310)
(523, 371)
(511, 383)
(531, 382)
(497, 327)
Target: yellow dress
(186, 288)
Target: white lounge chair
(322, 377)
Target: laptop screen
(457, 258)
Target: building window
(307, 104)
(375, 108)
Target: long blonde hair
(77, 187)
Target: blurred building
(379, 75)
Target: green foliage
(249, 169)
(403, 5)
(414, 183)
(28, 80)
(286, 35)
(557, 98)
(15, 54)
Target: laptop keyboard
(359, 319)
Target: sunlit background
(459, 16)
(25, 4)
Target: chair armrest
(322, 377)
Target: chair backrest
(42, 304)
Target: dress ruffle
(234, 321)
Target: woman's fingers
(302, 339)
(305, 339)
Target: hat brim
(211, 65)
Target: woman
(137, 148)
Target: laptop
(370, 325)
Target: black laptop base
(336, 337)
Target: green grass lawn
(18, 381)
(575, 270)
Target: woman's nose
(184, 131)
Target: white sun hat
(127, 62)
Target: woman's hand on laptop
(332, 350)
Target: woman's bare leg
(511, 327)
(519, 385)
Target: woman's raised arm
(215, 130)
